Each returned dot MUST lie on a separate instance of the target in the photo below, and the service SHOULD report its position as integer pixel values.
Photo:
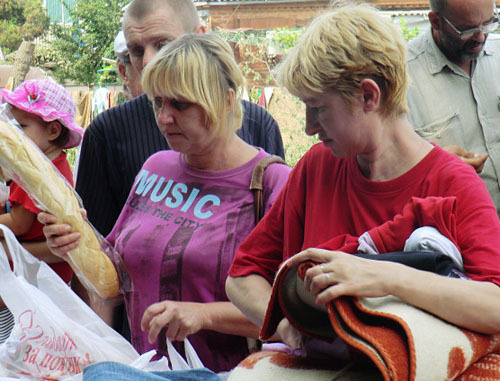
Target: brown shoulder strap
(256, 185)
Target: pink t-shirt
(178, 233)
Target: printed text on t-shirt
(175, 195)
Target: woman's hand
(182, 319)
(289, 335)
(60, 239)
(475, 160)
(451, 299)
(343, 274)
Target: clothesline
(89, 103)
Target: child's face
(34, 127)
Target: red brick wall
(400, 4)
(267, 15)
(262, 16)
(404, 4)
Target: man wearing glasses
(454, 96)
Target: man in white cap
(130, 78)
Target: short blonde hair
(342, 47)
(201, 69)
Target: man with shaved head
(120, 139)
(150, 24)
(454, 98)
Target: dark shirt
(119, 140)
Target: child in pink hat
(51, 103)
(46, 112)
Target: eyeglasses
(485, 29)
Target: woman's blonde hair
(201, 69)
(342, 47)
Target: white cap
(120, 45)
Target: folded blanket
(278, 366)
(403, 342)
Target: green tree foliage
(287, 38)
(408, 34)
(21, 19)
(253, 48)
(84, 43)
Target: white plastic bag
(177, 362)
(144, 363)
(55, 333)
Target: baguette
(34, 171)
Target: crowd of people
(165, 176)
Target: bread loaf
(42, 182)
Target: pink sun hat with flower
(48, 100)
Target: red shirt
(326, 197)
(35, 233)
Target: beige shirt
(447, 106)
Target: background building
(58, 10)
(261, 18)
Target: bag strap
(256, 183)
(257, 187)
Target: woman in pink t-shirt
(190, 207)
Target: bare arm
(465, 303)
(40, 250)
(251, 295)
(185, 318)
(19, 219)
(224, 317)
